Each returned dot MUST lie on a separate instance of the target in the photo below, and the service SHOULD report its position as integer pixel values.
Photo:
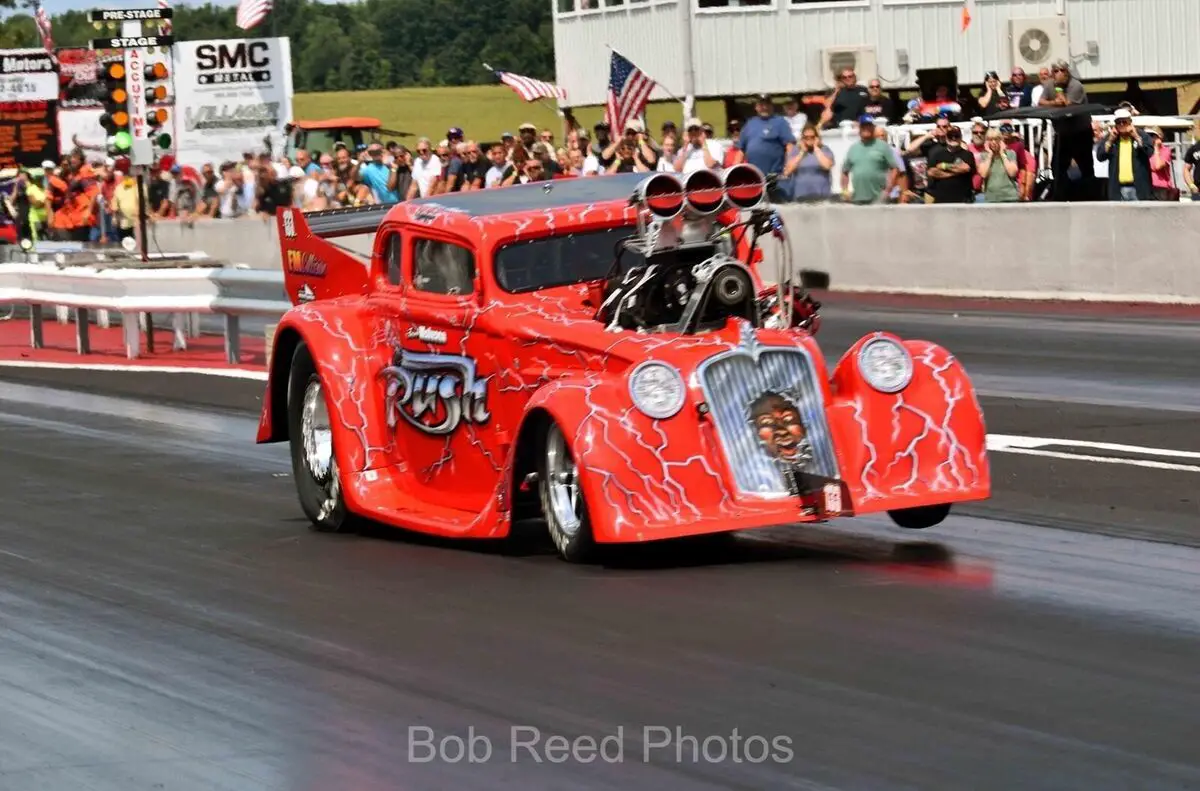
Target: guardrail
(1110, 252)
(137, 292)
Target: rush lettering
(436, 393)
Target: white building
(741, 47)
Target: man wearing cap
(1026, 164)
(528, 134)
(869, 169)
(1072, 136)
(379, 178)
(604, 150)
(644, 152)
(951, 171)
(766, 142)
(1128, 153)
(698, 152)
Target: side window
(443, 268)
(393, 259)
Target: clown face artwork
(780, 431)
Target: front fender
(925, 445)
(640, 476)
(339, 338)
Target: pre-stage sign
(129, 14)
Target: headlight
(656, 389)
(885, 364)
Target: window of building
(734, 3)
(392, 256)
(443, 268)
(566, 6)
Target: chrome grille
(733, 381)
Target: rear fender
(639, 475)
(339, 339)
(314, 268)
(925, 445)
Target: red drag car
(602, 352)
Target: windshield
(561, 260)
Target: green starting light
(163, 140)
(122, 141)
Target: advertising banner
(231, 94)
(28, 99)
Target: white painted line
(228, 373)
(1035, 446)
(1011, 441)
(1151, 463)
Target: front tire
(920, 518)
(314, 464)
(563, 502)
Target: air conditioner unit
(835, 60)
(1036, 43)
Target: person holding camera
(1128, 151)
(699, 152)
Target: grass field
(482, 111)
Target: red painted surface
(544, 353)
(108, 347)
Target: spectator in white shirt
(669, 150)
(495, 174)
(426, 170)
(1036, 93)
(796, 119)
(698, 152)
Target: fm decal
(436, 393)
(304, 264)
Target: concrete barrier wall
(1143, 252)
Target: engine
(683, 276)
(686, 278)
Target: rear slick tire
(563, 503)
(920, 518)
(314, 464)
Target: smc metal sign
(224, 63)
(231, 94)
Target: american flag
(251, 12)
(43, 26)
(628, 91)
(166, 26)
(530, 89)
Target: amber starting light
(119, 96)
(158, 116)
(158, 93)
(158, 71)
(116, 71)
(120, 118)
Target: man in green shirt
(870, 167)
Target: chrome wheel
(317, 436)
(562, 482)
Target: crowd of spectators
(95, 200)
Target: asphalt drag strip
(171, 622)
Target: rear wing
(314, 268)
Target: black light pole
(141, 198)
